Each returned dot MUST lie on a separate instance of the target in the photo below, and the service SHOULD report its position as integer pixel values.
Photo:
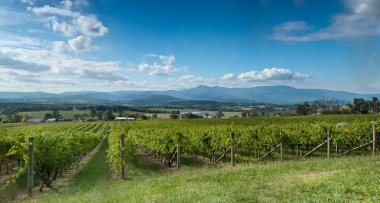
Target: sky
(108, 45)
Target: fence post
(31, 164)
(281, 148)
(373, 139)
(328, 142)
(232, 136)
(178, 156)
(122, 168)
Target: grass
(94, 173)
(347, 179)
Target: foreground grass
(334, 180)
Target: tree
(303, 109)
(314, 108)
(16, 118)
(174, 115)
(244, 114)
(374, 105)
(56, 114)
(154, 116)
(25, 119)
(48, 116)
(359, 106)
(99, 114)
(108, 115)
(92, 111)
(219, 114)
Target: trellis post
(122, 168)
(30, 165)
(373, 139)
(328, 142)
(281, 148)
(232, 136)
(178, 156)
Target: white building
(51, 120)
(120, 118)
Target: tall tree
(375, 105)
(56, 114)
(359, 106)
(303, 109)
(108, 115)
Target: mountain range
(260, 94)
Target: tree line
(357, 106)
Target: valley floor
(318, 180)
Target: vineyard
(244, 140)
(58, 147)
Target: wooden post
(178, 156)
(122, 168)
(281, 148)
(232, 136)
(373, 139)
(328, 142)
(30, 165)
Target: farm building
(51, 120)
(120, 118)
(125, 119)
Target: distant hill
(261, 94)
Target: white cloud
(28, 2)
(157, 69)
(188, 81)
(49, 10)
(67, 29)
(40, 58)
(228, 76)
(90, 26)
(194, 79)
(60, 47)
(87, 25)
(67, 4)
(9, 16)
(164, 68)
(11, 40)
(14, 63)
(362, 20)
(167, 60)
(273, 74)
(81, 43)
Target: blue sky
(109, 45)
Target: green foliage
(108, 115)
(115, 151)
(56, 147)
